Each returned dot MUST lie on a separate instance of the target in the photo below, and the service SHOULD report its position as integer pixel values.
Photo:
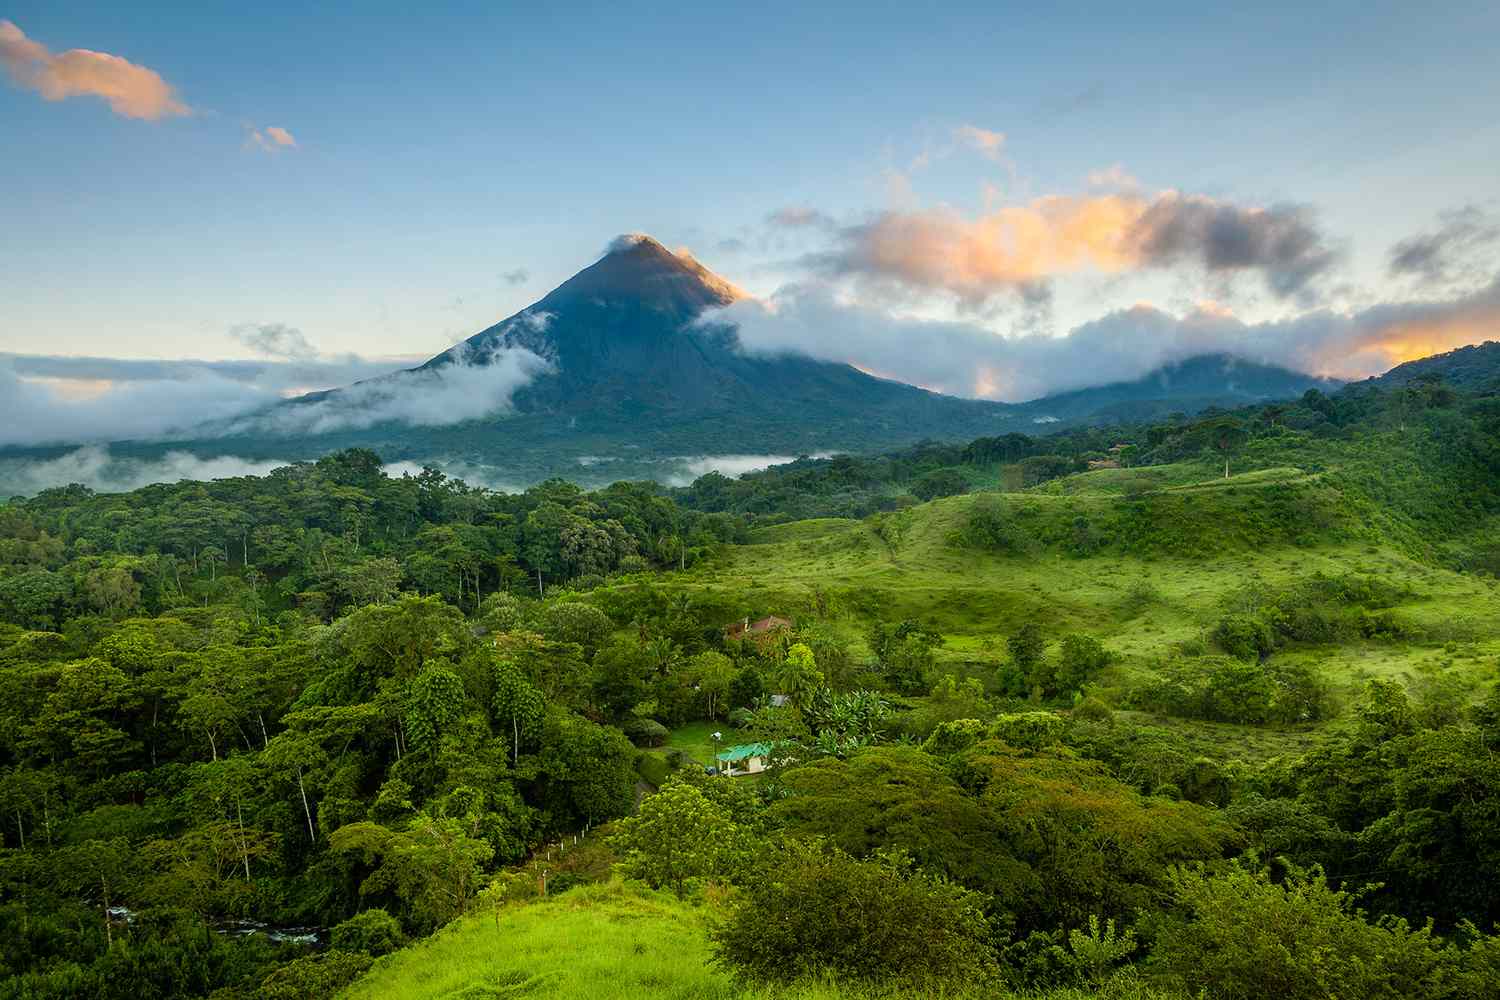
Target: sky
(991, 199)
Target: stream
(238, 928)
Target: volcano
(628, 370)
(633, 336)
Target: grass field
(1142, 606)
(607, 940)
(611, 940)
(696, 740)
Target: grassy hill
(608, 940)
(1146, 560)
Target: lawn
(695, 739)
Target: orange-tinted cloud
(273, 138)
(986, 142)
(132, 91)
(1019, 246)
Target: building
(747, 758)
(748, 629)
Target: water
(312, 937)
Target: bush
(1244, 637)
(653, 768)
(374, 932)
(1244, 937)
(1028, 730)
(314, 977)
(991, 528)
(817, 911)
(645, 732)
(1093, 709)
(1224, 690)
(940, 483)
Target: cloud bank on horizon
(969, 359)
(47, 400)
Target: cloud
(463, 389)
(275, 340)
(71, 400)
(800, 217)
(131, 91)
(967, 359)
(987, 143)
(272, 138)
(1445, 254)
(517, 277)
(1015, 247)
(734, 466)
(97, 467)
(43, 411)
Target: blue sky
(440, 153)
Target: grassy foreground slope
(606, 940)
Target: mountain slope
(1470, 368)
(627, 337)
(1190, 385)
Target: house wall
(750, 765)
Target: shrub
(645, 732)
(1028, 730)
(1093, 709)
(990, 528)
(374, 932)
(940, 483)
(816, 910)
(955, 737)
(1244, 937)
(314, 977)
(1243, 636)
(653, 768)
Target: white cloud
(96, 467)
(967, 359)
(733, 466)
(425, 397)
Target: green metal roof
(731, 754)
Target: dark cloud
(1283, 242)
(517, 277)
(275, 340)
(800, 217)
(1445, 254)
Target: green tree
(817, 911)
(798, 676)
(433, 866)
(1028, 649)
(676, 837)
(518, 705)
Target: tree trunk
(1226, 466)
(306, 811)
(244, 845)
(515, 740)
(109, 932)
